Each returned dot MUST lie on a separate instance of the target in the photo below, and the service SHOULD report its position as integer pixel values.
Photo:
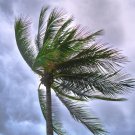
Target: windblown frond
(86, 37)
(41, 28)
(76, 40)
(61, 33)
(54, 22)
(84, 96)
(80, 114)
(66, 94)
(47, 52)
(84, 84)
(95, 58)
(57, 126)
(105, 98)
(23, 42)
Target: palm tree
(71, 63)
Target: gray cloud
(7, 7)
(19, 108)
(105, 14)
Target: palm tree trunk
(49, 125)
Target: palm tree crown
(73, 65)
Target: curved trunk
(49, 125)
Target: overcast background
(20, 112)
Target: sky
(20, 112)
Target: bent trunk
(49, 125)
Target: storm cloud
(20, 112)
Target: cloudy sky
(20, 113)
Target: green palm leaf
(54, 22)
(96, 57)
(105, 98)
(23, 41)
(83, 116)
(66, 94)
(57, 125)
(61, 33)
(41, 27)
(84, 96)
(89, 83)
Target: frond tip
(88, 84)
(80, 114)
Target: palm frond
(76, 39)
(57, 126)
(47, 51)
(105, 98)
(66, 94)
(86, 37)
(41, 28)
(80, 114)
(96, 57)
(94, 82)
(23, 42)
(61, 33)
(83, 96)
(70, 35)
(54, 22)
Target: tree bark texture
(49, 125)
(47, 80)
